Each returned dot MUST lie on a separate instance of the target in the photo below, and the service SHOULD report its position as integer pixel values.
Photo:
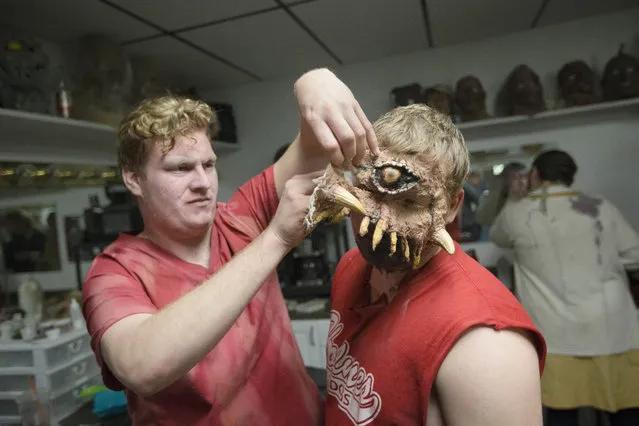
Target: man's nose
(201, 179)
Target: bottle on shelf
(63, 101)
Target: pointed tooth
(346, 199)
(322, 215)
(363, 227)
(380, 228)
(417, 257)
(444, 240)
(406, 248)
(341, 215)
(393, 243)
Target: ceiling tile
(568, 10)
(186, 66)
(66, 20)
(269, 45)
(173, 15)
(383, 28)
(459, 21)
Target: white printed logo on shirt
(347, 381)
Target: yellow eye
(393, 178)
(390, 175)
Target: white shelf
(26, 136)
(549, 120)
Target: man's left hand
(332, 118)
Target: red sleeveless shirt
(382, 360)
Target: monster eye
(393, 178)
(390, 175)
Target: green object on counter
(92, 390)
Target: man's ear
(455, 205)
(132, 182)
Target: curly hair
(160, 120)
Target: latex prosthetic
(440, 97)
(621, 77)
(523, 92)
(576, 82)
(470, 97)
(399, 201)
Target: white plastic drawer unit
(64, 365)
(47, 353)
(63, 402)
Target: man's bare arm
(149, 352)
(333, 128)
(491, 378)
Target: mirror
(483, 190)
(34, 233)
(29, 237)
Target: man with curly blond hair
(188, 317)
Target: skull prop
(398, 203)
(577, 83)
(621, 77)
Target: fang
(380, 228)
(363, 227)
(393, 243)
(406, 248)
(444, 240)
(346, 199)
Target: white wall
(71, 202)
(267, 117)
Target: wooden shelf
(549, 120)
(26, 136)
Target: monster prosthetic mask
(577, 83)
(440, 97)
(398, 202)
(471, 99)
(621, 77)
(523, 93)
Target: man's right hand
(288, 223)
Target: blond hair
(160, 120)
(419, 130)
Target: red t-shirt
(255, 375)
(382, 360)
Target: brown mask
(576, 82)
(398, 204)
(621, 77)
(524, 94)
(470, 97)
(440, 98)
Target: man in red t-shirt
(187, 317)
(420, 333)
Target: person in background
(436, 342)
(569, 248)
(188, 317)
(510, 184)
(473, 190)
